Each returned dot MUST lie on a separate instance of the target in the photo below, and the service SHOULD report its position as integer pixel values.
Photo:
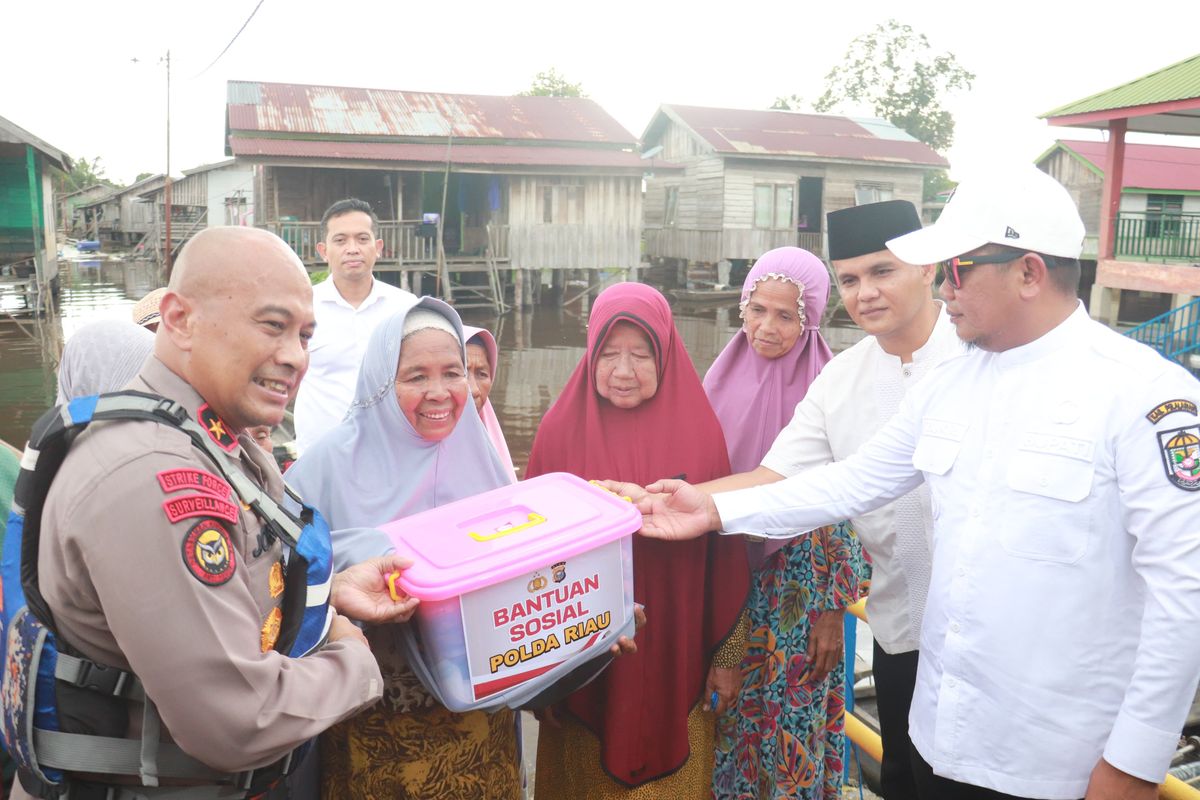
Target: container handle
(534, 519)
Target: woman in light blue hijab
(412, 440)
(376, 466)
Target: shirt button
(974, 512)
(951, 683)
(962, 571)
(1044, 481)
(955, 627)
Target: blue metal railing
(1175, 334)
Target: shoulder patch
(1170, 407)
(1180, 449)
(275, 579)
(208, 552)
(200, 505)
(218, 431)
(177, 480)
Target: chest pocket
(939, 445)
(937, 449)
(1050, 476)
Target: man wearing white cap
(1058, 650)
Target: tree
(793, 102)
(894, 70)
(552, 84)
(84, 173)
(141, 176)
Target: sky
(71, 79)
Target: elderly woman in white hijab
(412, 440)
(102, 357)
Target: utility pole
(167, 185)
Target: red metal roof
(1147, 166)
(787, 133)
(341, 111)
(435, 153)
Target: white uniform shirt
(853, 397)
(1065, 596)
(335, 353)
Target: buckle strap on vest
(87, 674)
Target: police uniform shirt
(1065, 593)
(853, 397)
(150, 564)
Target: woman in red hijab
(634, 411)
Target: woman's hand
(362, 592)
(626, 646)
(725, 683)
(825, 646)
(630, 491)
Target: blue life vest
(37, 661)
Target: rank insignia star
(216, 428)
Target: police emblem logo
(217, 430)
(559, 572)
(1181, 456)
(270, 629)
(208, 552)
(275, 579)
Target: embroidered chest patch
(1181, 456)
(208, 552)
(1170, 407)
(199, 505)
(178, 480)
(218, 431)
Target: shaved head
(236, 320)
(217, 261)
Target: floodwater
(539, 347)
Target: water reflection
(30, 347)
(539, 348)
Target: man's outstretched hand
(361, 592)
(676, 510)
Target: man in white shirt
(348, 305)
(1058, 655)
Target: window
(562, 204)
(773, 206)
(672, 206)
(1163, 215)
(865, 193)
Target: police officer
(1057, 656)
(150, 564)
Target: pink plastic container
(515, 582)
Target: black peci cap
(859, 230)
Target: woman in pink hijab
(784, 738)
(482, 360)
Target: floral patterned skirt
(785, 737)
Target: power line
(231, 41)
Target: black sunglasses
(950, 267)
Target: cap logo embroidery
(1009, 233)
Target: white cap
(1023, 208)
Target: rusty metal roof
(789, 134)
(335, 111)
(435, 153)
(1162, 168)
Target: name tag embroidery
(1081, 449)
